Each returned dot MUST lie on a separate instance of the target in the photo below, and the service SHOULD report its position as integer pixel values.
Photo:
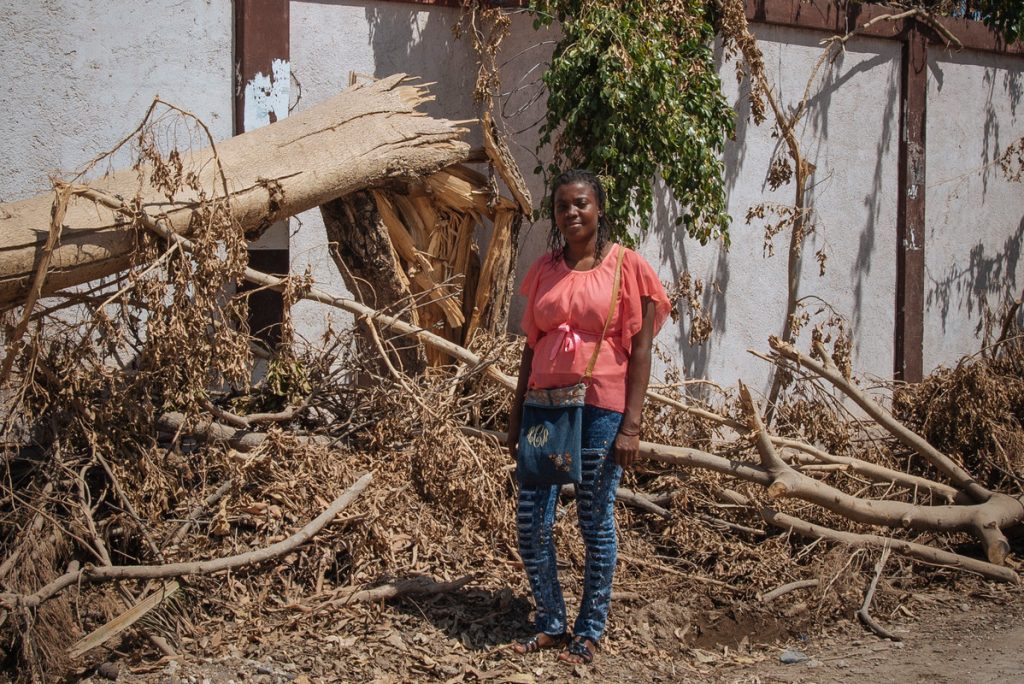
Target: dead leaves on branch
(108, 486)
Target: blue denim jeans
(595, 500)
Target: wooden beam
(910, 220)
(974, 35)
(261, 39)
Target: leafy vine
(623, 62)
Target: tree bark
(368, 263)
(361, 137)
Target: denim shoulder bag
(550, 440)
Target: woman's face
(576, 212)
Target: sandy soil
(974, 634)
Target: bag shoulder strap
(611, 314)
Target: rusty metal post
(262, 86)
(910, 226)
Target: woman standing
(568, 293)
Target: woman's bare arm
(515, 416)
(638, 375)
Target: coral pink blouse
(565, 312)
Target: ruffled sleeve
(638, 281)
(529, 290)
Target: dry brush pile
(152, 488)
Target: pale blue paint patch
(267, 95)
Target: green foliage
(633, 94)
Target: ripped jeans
(595, 500)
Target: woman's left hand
(627, 447)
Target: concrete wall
(974, 215)
(78, 76)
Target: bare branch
(920, 552)
(826, 369)
(123, 572)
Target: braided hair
(556, 243)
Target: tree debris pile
(975, 411)
(438, 514)
(156, 499)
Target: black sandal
(532, 645)
(578, 647)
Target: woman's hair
(556, 243)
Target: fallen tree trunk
(365, 135)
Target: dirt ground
(972, 632)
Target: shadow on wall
(735, 152)
(873, 202)
(672, 243)
(832, 80)
(418, 40)
(1011, 92)
(986, 282)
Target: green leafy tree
(633, 94)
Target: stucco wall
(850, 135)
(974, 215)
(78, 76)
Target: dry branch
(985, 520)
(873, 471)
(826, 369)
(920, 552)
(127, 572)
(239, 439)
(786, 588)
(194, 514)
(864, 614)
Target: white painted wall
(974, 215)
(78, 76)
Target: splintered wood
(432, 224)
